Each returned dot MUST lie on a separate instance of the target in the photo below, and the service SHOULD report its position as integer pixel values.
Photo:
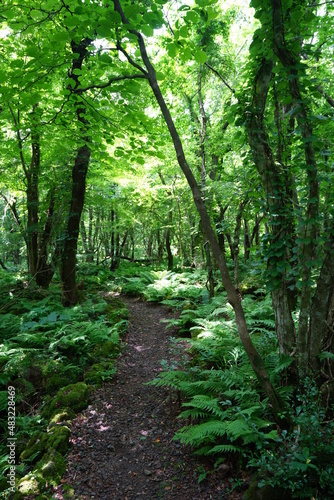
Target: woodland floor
(122, 445)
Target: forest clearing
(166, 249)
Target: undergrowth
(226, 415)
(44, 347)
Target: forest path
(122, 444)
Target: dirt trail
(122, 444)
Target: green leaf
(160, 76)
(37, 15)
(326, 355)
(192, 16)
(147, 30)
(172, 49)
(186, 54)
(200, 56)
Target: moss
(29, 485)
(68, 491)
(36, 445)
(115, 310)
(51, 468)
(63, 415)
(73, 396)
(57, 438)
(106, 350)
(55, 383)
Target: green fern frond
(237, 429)
(197, 434)
(206, 404)
(219, 449)
(194, 414)
(169, 379)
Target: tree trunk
(210, 284)
(279, 212)
(168, 241)
(310, 228)
(321, 309)
(46, 271)
(278, 407)
(33, 196)
(69, 258)
(79, 172)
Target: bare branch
(329, 99)
(219, 76)
(19, 140)
(131, 61)
(112, 80)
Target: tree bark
(79, 172)
(309, 231)
(45, 271)
(279, 213)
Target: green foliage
(222, 395)
(45, 348)
(302, 461)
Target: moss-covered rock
(68, 491)
(115, 310)
(35, 447)
(50, 468)
(73, 396)
(108, 349)
(63, 415)
(28, 485)
(57, 438)
(55, 382)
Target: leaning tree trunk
(278, 407)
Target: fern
(205, 432)
(219, 449)
(207, 404)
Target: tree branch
(19, 141)
(112, 80)
(219, 76)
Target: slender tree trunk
(69, 259)
(210, 284)
(168, 241)
(278, 407)
(236, 242)
(46, 271)
(33, 196)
